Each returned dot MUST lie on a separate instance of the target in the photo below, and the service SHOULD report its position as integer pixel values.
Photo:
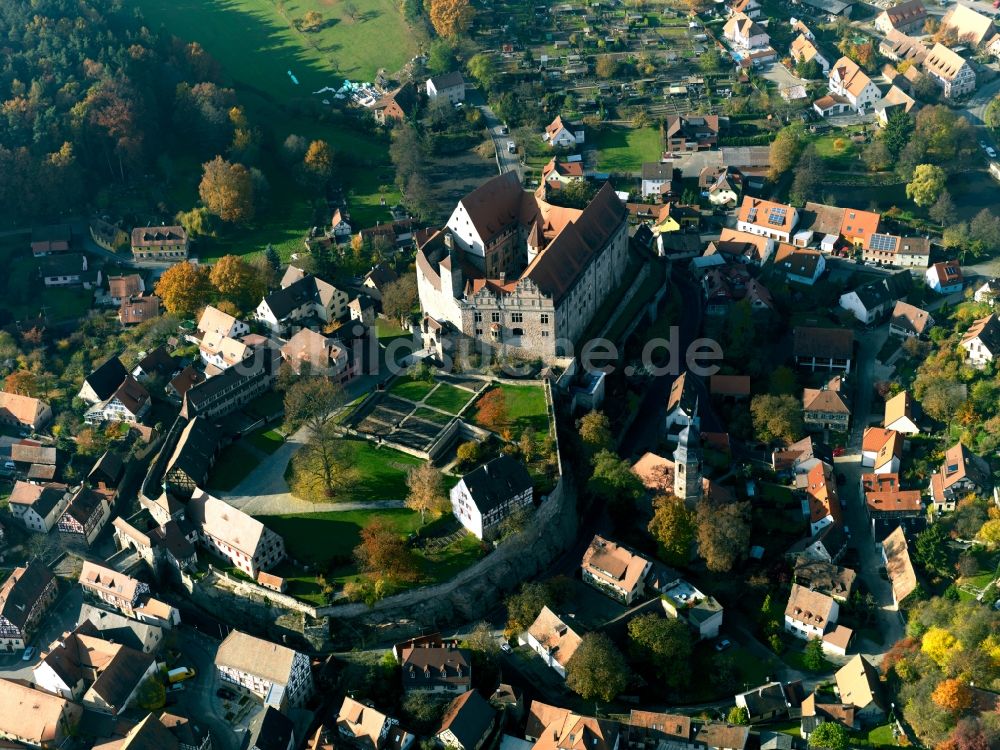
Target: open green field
(526, 407)
(235, 462)
(449, 398)
(381, 471)
(622, 149)
(432, 416)
(407, 387)
(22, 290)
(267, 441)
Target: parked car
(990, 152)
(838, 452)
(29, 652)
(723, 645)
(505, 647)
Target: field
(381, 471)
(22, 291)
(526, 407)
(235, 462)
(447, 397)
(267, 441)
(622, 149)
(414, 390)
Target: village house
(816, 710)
(556, 174)
(121, 287)
(950, 71)
(369, 729)
(823, 348)
(101, 384)
(657, 180)
(160, 244)
(487, 496)
(614, 570)
(682, 600)
(764, 702)
(378, 279)
(811, 614)
(896, 99)
(745, 33)
(233, 388)
(900, 415)
(819, 575)
(317, 354)
(278, 675)
(723, 186)
(36, 718)
(395, 106)
(961, 473)
(467, 722)
(562, 133)
(752, 248)
(51, 240)
(38, 506)
(646, 729)
(87, 514)
(135, 310)
(801, 456)
(24, 411)
(822, 498)
(499, 272)
(33, 455)
(436, 669)
(215, 321)
(129, 403)
(989, 292)
(829, 545)
(871, 302)
(826, 408)
(799, 265)
(273, 731)
(906, 17)
(117, 590)
(774, 220)
(848, 80)
(25, 597)
(552, 639)
(886, 501)
(967, 25)
(233, 535)
(302, 298)
(722, 736)
(909, 321)
(900, 252)
(684, 133)
(221, 352)
(981, 341)
(362, 310)
(804, 50)
(449, 86)
(899, 568)
(859, 685)
(749, 8)
(192, 458)
(901, 47)
(72, 269)
(945, 277)
(183, 381)
(556, 728)
(340, 226)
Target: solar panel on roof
(776, 216)
(885, 242)
(752, 216)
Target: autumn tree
(318, 161)
(383, 553)
(237, 280)
(312, 21)
(597, 669)
(943, 211)
(426, 493)
(673, 527)
(664, 643)
(777, 417)
(322, 467)
(784, 150)
(524, 606)
(926, 185)
(311, 401)
(451, 18)
(184, 287)
(953, 695)
(491, 410)
(399, 297)
(595, 431)
(21, 382)
(809, 176)
(830, 735)
(940, 645)
(606, 66)
(738, 716)
(723, 533)
(227, 190)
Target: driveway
(198, 699)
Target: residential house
(804, 50)
(891, 250)
(51, 240)
(872, 301)
(749, 8)
(561, 133)
(831, 105)
(815, 712)
(302, 298)
(278, 675)
(553, 728)
(160, 244)
(682, 405)
(848, 80)
(719, 736)
(895, 99)
(436, 669)
(183, 381)
(886, 501)
(487, 496)
(214, 321)
(552, 639)
(320, 355)
(449, 86)
(909, 321)
(556, 174)
(657, 179)
(101, 384)
(25, 596)
(71, 269)
(467, 722)
(273, 731)
(189, 736)
(859, 685)
(988, 292)
(900, 47)
(823, 576)
(899, 568)
(982, 340)
(24, 411)
(745, 33)
(222, 352)
(377, 279)
(945, 277)
(900, 414)
(768, 219)
(38, 506)
(799, 265)
(649, 729)
(129, 403)
(753, 248)
(906, 17)
(823, 348)
(826, 408)
(829, 545)
(764, 702)
(369, 729)
(950, 71)
(881, 450)
(681, 600)
(233, 535)
(33, 453)
(115, 589)
(819, 219)
(148, 733)
(87, 514)
(800, 457)
(614, 570)
(723, 186)
(685, 133)
(961, 473)
(395, 106)
(967, 25)
(340, 226)
(822, 498)
(362, 310)
(811, 614)
(122, 287)
(233, 388)
(35, 718)
(135, 310)
(858, 227)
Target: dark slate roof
(881, 291)
(765, 699)
(116, 683)
(264, 361)
(274, 732)
(497, 481)
(158, 361)
(283, 301)
(195, 449)
(108, 469)
(448, 80)
(106, 378)
(469, 717)
(22, 590)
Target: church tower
(687, 466)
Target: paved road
(508, 162)
(198, 699)
(62, 617)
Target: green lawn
(449, 398)
(23, 293)
(622, 149)
(838, 151)
(268, 441)
(526, 407)
(381, 471)
(232, 467)
(882, 737)
(433, 416)
(407, 387)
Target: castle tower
(687, 466)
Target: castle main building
(514, 271)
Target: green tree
(273, 259)
(614, 481)
(738, 715)
(782, 381)
(483, 68)
(829, 735)
(943, 211)
(524, 606)
(673, 528)
(926, 185)
(931, 549)
(897, 132)
(812, 655)
(777, 417)
(785, 150)
(597, 669)
(665, 643)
